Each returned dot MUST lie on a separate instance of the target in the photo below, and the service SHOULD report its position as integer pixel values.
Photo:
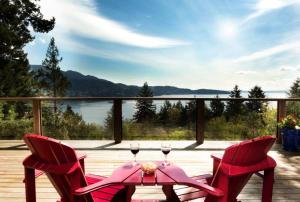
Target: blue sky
(185, 43)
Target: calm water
(96, 112)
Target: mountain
(86, 85)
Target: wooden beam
(118, 136)
(37, 116)
(281, 113)
(200, 108)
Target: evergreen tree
(1, 111)
(109, 121)
(216, 107)
(145, 108)
(191, 112)
(163, 115)
(294, 91)
(234, 107)
(254, 105)
(15, 18)
(50, 76)
(184, 116)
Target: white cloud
(246, 72)
(289, 68)
(289, 46)
(81, 18)
(174, 61)
(263, 6)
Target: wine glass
(165, 148)
(134, 148)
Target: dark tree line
(178, 114)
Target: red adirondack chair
(65, 170)
(232, 171)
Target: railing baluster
(37, 116)
(117, 120)
(281, 113)
(200, 108)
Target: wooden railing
(117, 113)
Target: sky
(185, 43)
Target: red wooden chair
(232, 172)
(65, 170)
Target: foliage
(294, 91)
(109, 122)
(70, 125)
(216, 107)
(289, 122)
(11, 126)
(50, 76)
(242, 127)
(15, 19)
(163, 115)
(145, 110)
(148, 131)
(255, 105)
(1, 111)
(15, 129)
(234, 107)
(293, 107)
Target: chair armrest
(217, 157)
(208, 189)
(216, 162)
(202, 177)
(81, 156)
(93, 187)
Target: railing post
(281, 113)
(200, 108)
(117, 120)
(37, 116)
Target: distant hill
(86, 85)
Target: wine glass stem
(135, 159)
(166, 159)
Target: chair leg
(30, 185)
(171, 196)
(268, 181)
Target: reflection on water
(96, 112)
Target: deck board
(104, 157)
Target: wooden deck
(104, 157)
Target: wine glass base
(134, 163)
(166, 163)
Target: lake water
(96, 112)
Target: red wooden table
(166, 176)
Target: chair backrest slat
(54, 152)
(244, 154)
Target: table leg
(129, 192)
(170, 194)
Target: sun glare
(227, 30)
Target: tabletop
(165, 175)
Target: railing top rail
(138, 98)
